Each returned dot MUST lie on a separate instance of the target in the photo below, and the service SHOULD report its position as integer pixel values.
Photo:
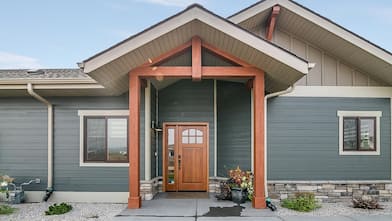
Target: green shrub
(303, 202)
(5, 209)
(58, 209)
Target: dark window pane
(117, 139)
(171, 159)
(350, 134)
(95, 150)
(367, 138)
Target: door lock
(179, 162)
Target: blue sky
(57, 34)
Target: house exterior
(275, 88)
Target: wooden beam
(162, 71)
(249, 84)
(258, 127)
(167, 55)
(229, 71)
(186, 72)
(196, 58)
(143, 83)
(272, 22)
(134, 200)
(225, 55)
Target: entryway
(185, 161)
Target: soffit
(323, 33)
(111, 67)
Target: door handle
(179, 162)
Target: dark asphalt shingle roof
(45, 74)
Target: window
(359, 132)
(192, 136)
(104, 138)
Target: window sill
(82, 164)
(360, 153)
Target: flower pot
(238, 195)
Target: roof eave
(196, 13)
(318, 19)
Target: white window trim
(89, 113)
(376, 114)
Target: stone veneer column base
(148, 189)
(332, 191)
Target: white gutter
(288, 90)
(30, 90)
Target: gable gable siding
(329, 70)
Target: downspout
(49, 189)
(288, 90)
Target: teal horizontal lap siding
(234, 127)
(69, 176)
(187, 101)
(303, 140)
(23, 140)
(23, 143)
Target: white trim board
(340, 91)
(215, 130)
(376, 114)
(82, 114)
(78, 197)
(390, 101)
(329, 181)
(147, 131)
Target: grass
(303, 202)
(5, 209)
(58, 209)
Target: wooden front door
(186, 157)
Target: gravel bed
(336, 209)
(80, 211)
(106, 212)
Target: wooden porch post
(259, 182)
(134, 200)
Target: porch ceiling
(111, 67)
(322, 32)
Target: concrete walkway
(199, 209)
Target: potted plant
(5, 180)
(241, 185)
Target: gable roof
(49, 82)
(324, 33)
(69, 73)
(59, 76)
(111, 66)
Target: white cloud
(178, 3)
(15, 61)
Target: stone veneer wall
(333, 191)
